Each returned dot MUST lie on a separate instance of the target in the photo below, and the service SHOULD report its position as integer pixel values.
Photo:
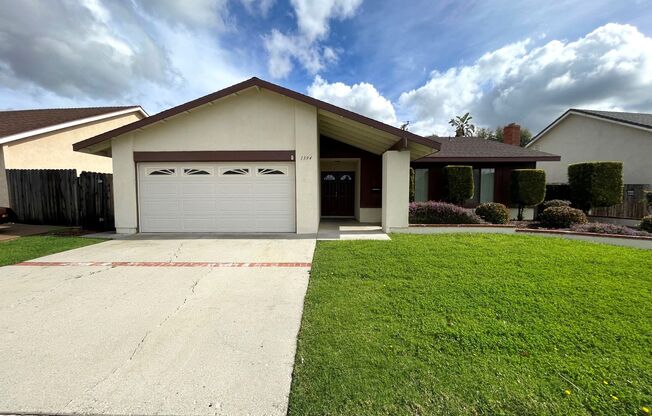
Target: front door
(337, 194)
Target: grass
(468, 324)
(31, 247)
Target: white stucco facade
(250, 120)
(579, 138)
(396, 190)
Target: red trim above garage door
(217, 156)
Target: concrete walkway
(176, 326)
(349, 229)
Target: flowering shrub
(433, 212)
(556, 203)
(493, 212)
(646, 224)
(596, 227)
(561, 217)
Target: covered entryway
(217, 197)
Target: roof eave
(256, 82)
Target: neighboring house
(42, 139)
(492, 164)
(589, 135)
(257, 157)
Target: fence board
(633, 206)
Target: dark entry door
(337, 194)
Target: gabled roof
(637, 120)
(20, 124)
(403, 135)
(476, 149)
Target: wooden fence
(60, 197)
(634, 205)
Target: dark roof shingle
(21, 121)
(638, 119)
(470, 149)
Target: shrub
(458, 183)
(646, 224)
(596, 184)
(558, 191)
(528, 188)
(413, 184)
(493, 212)
(433, 212)
(556, 203)
(561, 217)
(596, 227)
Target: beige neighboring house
(43, 138)
(590, 135)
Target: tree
(596, 184)
(528, 188)
(458, 183)
(463, 126)
(485, 133)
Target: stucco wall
(4, 192)
(580, 139)
(252, 120)
(396, 189)
(54, 150)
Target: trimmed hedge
(528, 188)
(556, 203)
(458, 183)
(646, 224)
(413, 184)
(433, 212)
(493, 212)
(561, 217)
(596, 184)
(558, 191)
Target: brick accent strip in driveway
(157, 264)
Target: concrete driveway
(172, 325)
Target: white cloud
(258, 6)
(361, 98)
(113, 53)
(304, 46)
(609, 68)
(189, 13)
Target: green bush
(556, 203)
(528, 188)
(458, 183)
(413, 184)
(434, 212)
(493, 212)
(596, 184)
(646, 224)
(558, 191)
(561, 217)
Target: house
(42, 139)
(257, 157)
(492, 164)
(590, 135)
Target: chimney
(512, 134)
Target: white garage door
(216, 197)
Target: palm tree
(462, 124)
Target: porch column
(396, 189)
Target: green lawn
(475, 324)
(31, 247)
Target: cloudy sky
(418, 60)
